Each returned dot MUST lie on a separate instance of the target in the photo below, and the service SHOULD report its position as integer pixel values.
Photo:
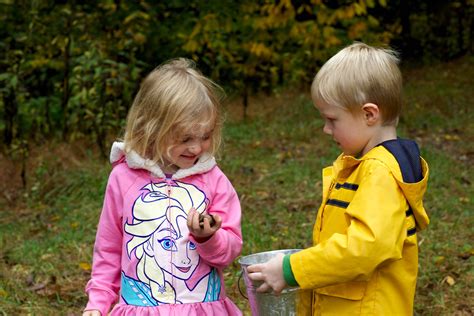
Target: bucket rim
(269, 252)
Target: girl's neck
(168, 168)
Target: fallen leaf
(439, 259)
(85, 266)
(449, 280)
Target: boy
(365, 255)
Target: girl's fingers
(190, 217)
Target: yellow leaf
(46, 256)
(139, 38)
(449, 280)
(85, 266)
(3, 293)
(74, 225)
(451, 137)
(463, 199)
(439, 259)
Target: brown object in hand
(211, 219)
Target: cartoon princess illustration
(167, 260)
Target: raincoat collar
(344, 165)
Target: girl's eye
(206, 137)
(167, 244)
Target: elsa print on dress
(168, 262)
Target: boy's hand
(271, 273)
(91, 313)
(203, 230)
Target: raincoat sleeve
(375, 234)
(226, 244)
(104, 284)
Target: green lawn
(274, 159)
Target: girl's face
(187, 148)
(349, 130)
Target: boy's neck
(384, 133)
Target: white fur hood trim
(205, 163)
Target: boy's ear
(371, 113)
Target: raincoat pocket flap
(350, 290)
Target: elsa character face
(160, 240)
(167, 243)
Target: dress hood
(117, 154)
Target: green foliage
(69, 70)
(274, 159)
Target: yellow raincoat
(365, 255)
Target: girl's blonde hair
(173, 100)
(360, 74)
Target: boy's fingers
(255, 276)
(254, 268)
(264, 288)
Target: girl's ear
(372, 113)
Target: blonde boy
(365, 255)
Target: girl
(153, 244)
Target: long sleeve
(104, 284)
(375, 234)
(226, 244)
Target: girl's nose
(195, 148)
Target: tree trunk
(65, 84)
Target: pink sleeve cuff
(100, 300)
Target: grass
(274, 159)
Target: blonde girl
(154, 253)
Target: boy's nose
(327, 130)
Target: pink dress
(145, 262)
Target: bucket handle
(238, 285)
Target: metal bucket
(291, 301)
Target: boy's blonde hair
(175, 99)
(360, 74)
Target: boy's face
(349, 130)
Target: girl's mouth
(189, 157)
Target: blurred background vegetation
(70, 69)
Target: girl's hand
(202, 231)
(91, 313)
(271, 273)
